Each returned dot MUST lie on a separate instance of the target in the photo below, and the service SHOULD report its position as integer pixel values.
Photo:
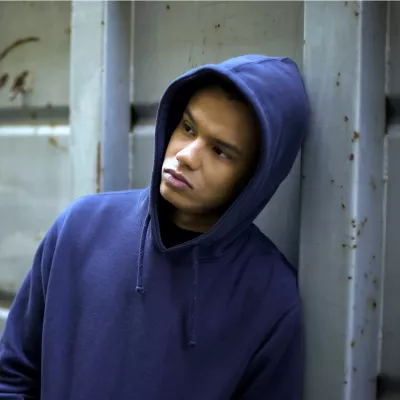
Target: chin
(170, 195)
(176, 200)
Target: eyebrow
(226, 145)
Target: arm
(276, 370)
(20, 344)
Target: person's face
(210, 154)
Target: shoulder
(108, 204)
(104, 212)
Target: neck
(193, 222)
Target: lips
(178, 176)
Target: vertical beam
(342, 197)
(86, 94)
(99, 96)
(116, 105)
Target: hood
(275, 89)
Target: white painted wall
(34, 166)
(46, 60)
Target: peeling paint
(54, 142)
(18, 86)
(3, 80)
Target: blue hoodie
(107, 312)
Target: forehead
(220, 114)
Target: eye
(188, 129)
(220, 153)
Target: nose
(190, 155)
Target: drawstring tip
(140, 289)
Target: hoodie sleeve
(276, 370)
(20, 344)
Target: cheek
(173, 148)
(219, 177)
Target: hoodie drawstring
(193, 308)
(140, 288)
(139, 281)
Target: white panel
(46, 60)
(34, 187)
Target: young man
(172, 292)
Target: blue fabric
(107, 312)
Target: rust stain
(372, 303)
(3, 80)
(54, 142)
(373, 184)
(343, 206)
(346, 118)
(98, 168)
(349, 278)
(351, 157)
(358, 233)
(338, 79)
(217, 26)
(356, 136)
(168, 7)
(353, 344)
(16, 44)
(356, 13)
(353, 222)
